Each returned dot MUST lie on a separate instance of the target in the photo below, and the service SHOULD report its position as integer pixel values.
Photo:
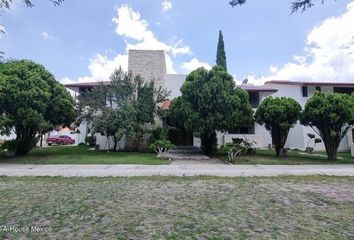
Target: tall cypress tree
(220, 54)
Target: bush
(90, 140)
(161, 147)
(232, 150)
(238, 147)
(157, 133)
(9, 147)
(246, 145)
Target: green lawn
(295, 157)
(178, 208)
(82, 155)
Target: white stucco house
(151, 64)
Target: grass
(82, 155)
(295, 157)
(315, 207)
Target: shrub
(90, 140)
(161, 147)
(246, 145)
(232, 150)
(157, 133)
(9, 147)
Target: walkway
(173, 170)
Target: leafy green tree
(108, 108)
(31, 100)
(126, 107)
(220, 54)
(330, 116)
(278, 115)
(145, 109)
(211, 102)
(296, 5)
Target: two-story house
(151, 65)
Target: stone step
(186, 150)
(195, 157)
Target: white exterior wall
(105, 143)
(173, 83)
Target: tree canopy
(211, 102)
(278, 115)
(123, 108)
(220, 54)
(330, 116)
(31, 100)
(297, 5)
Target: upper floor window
(347, 90)
(305, 91)
(254, 99)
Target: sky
(82, 41)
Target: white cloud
(273, 69)
(101, 68)
(2, 29)
(194, 64)
(132, 26)
(166, 6)
(137, 35)
(47, 36)
(328, 54)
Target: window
(318, 88)
(83, 90)
(353, 135)
(305, 92)
(347, 90)
(244, 130)
(254, 99)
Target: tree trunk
(25, 141)
(208, 142)
(115, 143)
(331, 146)
(41, 141)
(279, 137)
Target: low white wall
(108, 144)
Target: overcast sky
(85, 40)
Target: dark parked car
(61, 140)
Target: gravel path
(173, 170)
